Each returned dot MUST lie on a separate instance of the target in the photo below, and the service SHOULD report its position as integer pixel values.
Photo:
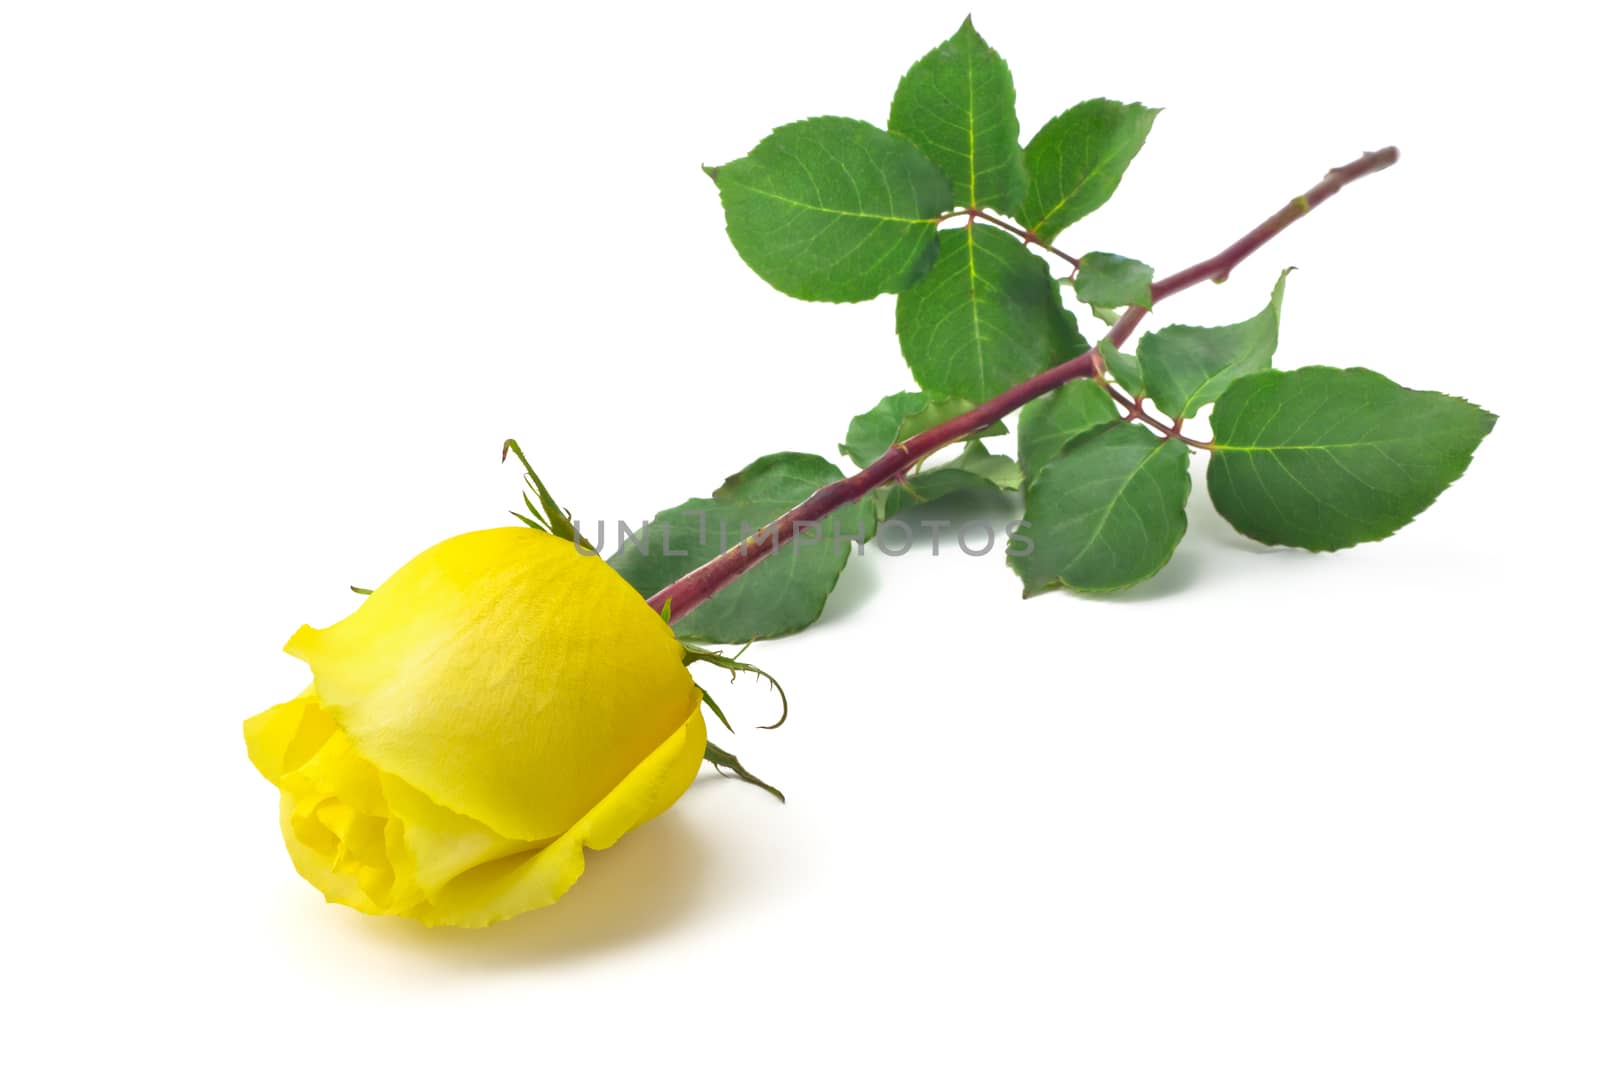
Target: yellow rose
(499, 704)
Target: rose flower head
(499, 704)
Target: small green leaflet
(1104, 280)
(1109, 316)
(1187, 367)
(1000, 471)
(986, 317)
(1124, 367)
(1055, 420)
(975, 470)
(898, 417)
(1077, 160)
(834, 209)
(1107, 514)
(1324, 459)
(958, 105)
(784, 592)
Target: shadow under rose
(939, 522)
(857, 585)
(1184, 569)
(861, 580)
(650, 881)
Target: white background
(275, 281)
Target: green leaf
(1109, 281)
(958, 105)
(1323, 459)
(1187, 367)
(976, 470)
(1107, 514)
(901, 416)
(1000, 471)
(985, 318)
(784, 592)
(1053, 421)
(834, 209)
(1076, 162)
(1124, 368)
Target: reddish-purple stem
(1028, 236)
(700, 584)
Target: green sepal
(735, 666)
(546, 515)
(728, 764)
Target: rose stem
(694, 588)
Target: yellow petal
(371, 841)
(283, 737)
(336, 819)
(523, 881)
(438, 844)
(507, 677)
(339, 887)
